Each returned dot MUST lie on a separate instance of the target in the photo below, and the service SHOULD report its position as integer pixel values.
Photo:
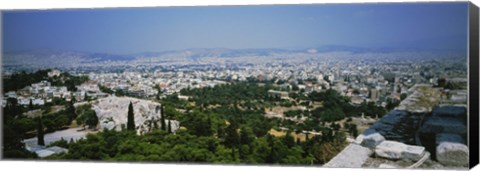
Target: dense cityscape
(284, 93)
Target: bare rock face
(397, 150)
(372, 140)
(112, 114)
(451, 150)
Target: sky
(136, 30)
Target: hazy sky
(132, 30)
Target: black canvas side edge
(473, 108)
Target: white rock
(452, 154)
(359, 139)
(390, 149)
(413, 152)
(109, 125)
(352, 156)
(174, 124)
(387, 166)
(397, 150)
(44, 153)
(372, 140)
(112, 112)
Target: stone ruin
(445, 132)
(112, 114)
(440, 138)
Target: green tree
(403, 96)
(162, 115)
(246, 135)
(289, 140)
(169, 126)
(196, 123)
(71, 110)
(89, 118)
(353, 130)
(441, 82)
(232, 138)
(131, 118)
(40, 133)
(30, 105)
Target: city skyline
(133, 30)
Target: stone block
(444, 125)
(372, 140)
(397, 150)
(450, 111)
(353, 156)
(387, 166)
(452, 154)
(413, 152)
(455, 138)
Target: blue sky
(134, 30)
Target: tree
(246, 139)
(196, 123)
(71, 110)
(86, 97)
(162, 115)
(403, 96)
(91, 118)
(169, 126)
(40, 133)
(289, 140)
(232, 138)
(441, 82)
(392, 103)
(30, 105)
(131, 118)
(352, 129)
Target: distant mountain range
(61, 58)
(225, 52)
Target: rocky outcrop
(112, 114)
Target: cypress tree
(131, 118)
(71, 110)
(209, 121)
(40, 133)
(162, 114)
(169, 126)
(232, 138)
(30, 105)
